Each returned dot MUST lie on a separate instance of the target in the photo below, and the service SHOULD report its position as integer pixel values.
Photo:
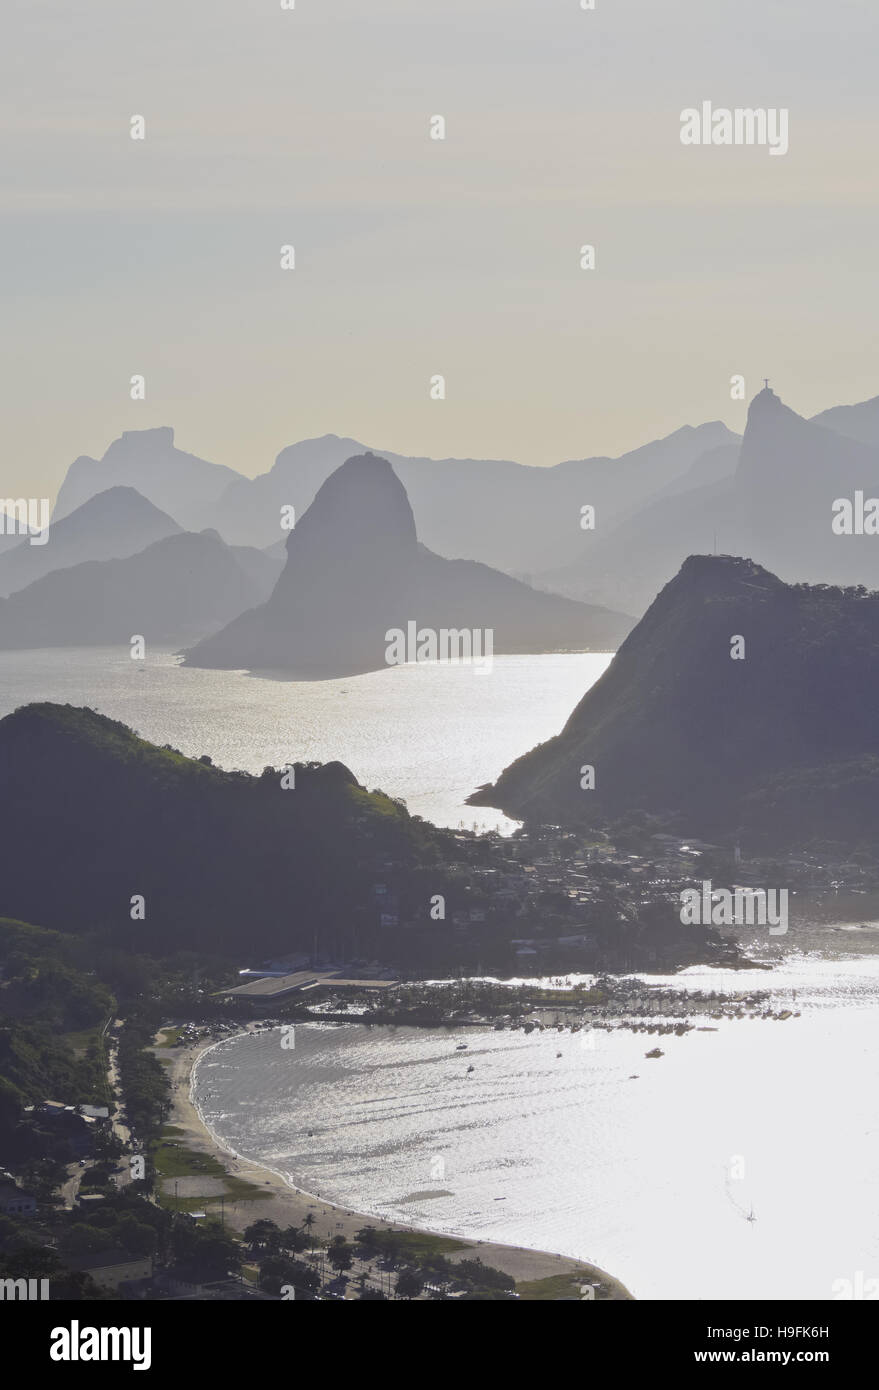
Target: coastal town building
(271, 988)
(14, 1201)
(112, 1270)
(74, 1128)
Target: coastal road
(119, 1129)
(70, 1188)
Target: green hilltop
(225, 861)
(780, 747)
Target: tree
(340, 1254)
(107, 1145)
(277, 1270)
(368, 1240)
(308, 1223)
(390, 1245)
(482, 1276)
(43, 1176)
(437, 1269)
(85, 1239)
(137, 1237)
(409, 1283)
(206, 1250)
(262, 1236)
(293, 1239)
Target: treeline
(142, 1077)
(421, 1268)
(125, 1225)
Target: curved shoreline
(287, 1204)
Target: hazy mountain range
(653, 505)
(111, 525)
(355, 570)
(769, 495)
(780, 746)
(149, 461)
(176, 590)
(776, 506)
(516, 518)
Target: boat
(462, 1047)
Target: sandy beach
(286, 1206)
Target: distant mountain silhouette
(176, 590)
(9, 533)
(149, 461)
(789, 475)
(859, 421)
(248, 512)
(777, 506)
(514, 518)
(714, 466)
(779, 747)
(355, 570)
(654, 505)
(113, 524)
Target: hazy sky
(415, 257)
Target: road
(75, 1171)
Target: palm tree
(308, 1222)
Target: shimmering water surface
(429, 733)
(649, 1168)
